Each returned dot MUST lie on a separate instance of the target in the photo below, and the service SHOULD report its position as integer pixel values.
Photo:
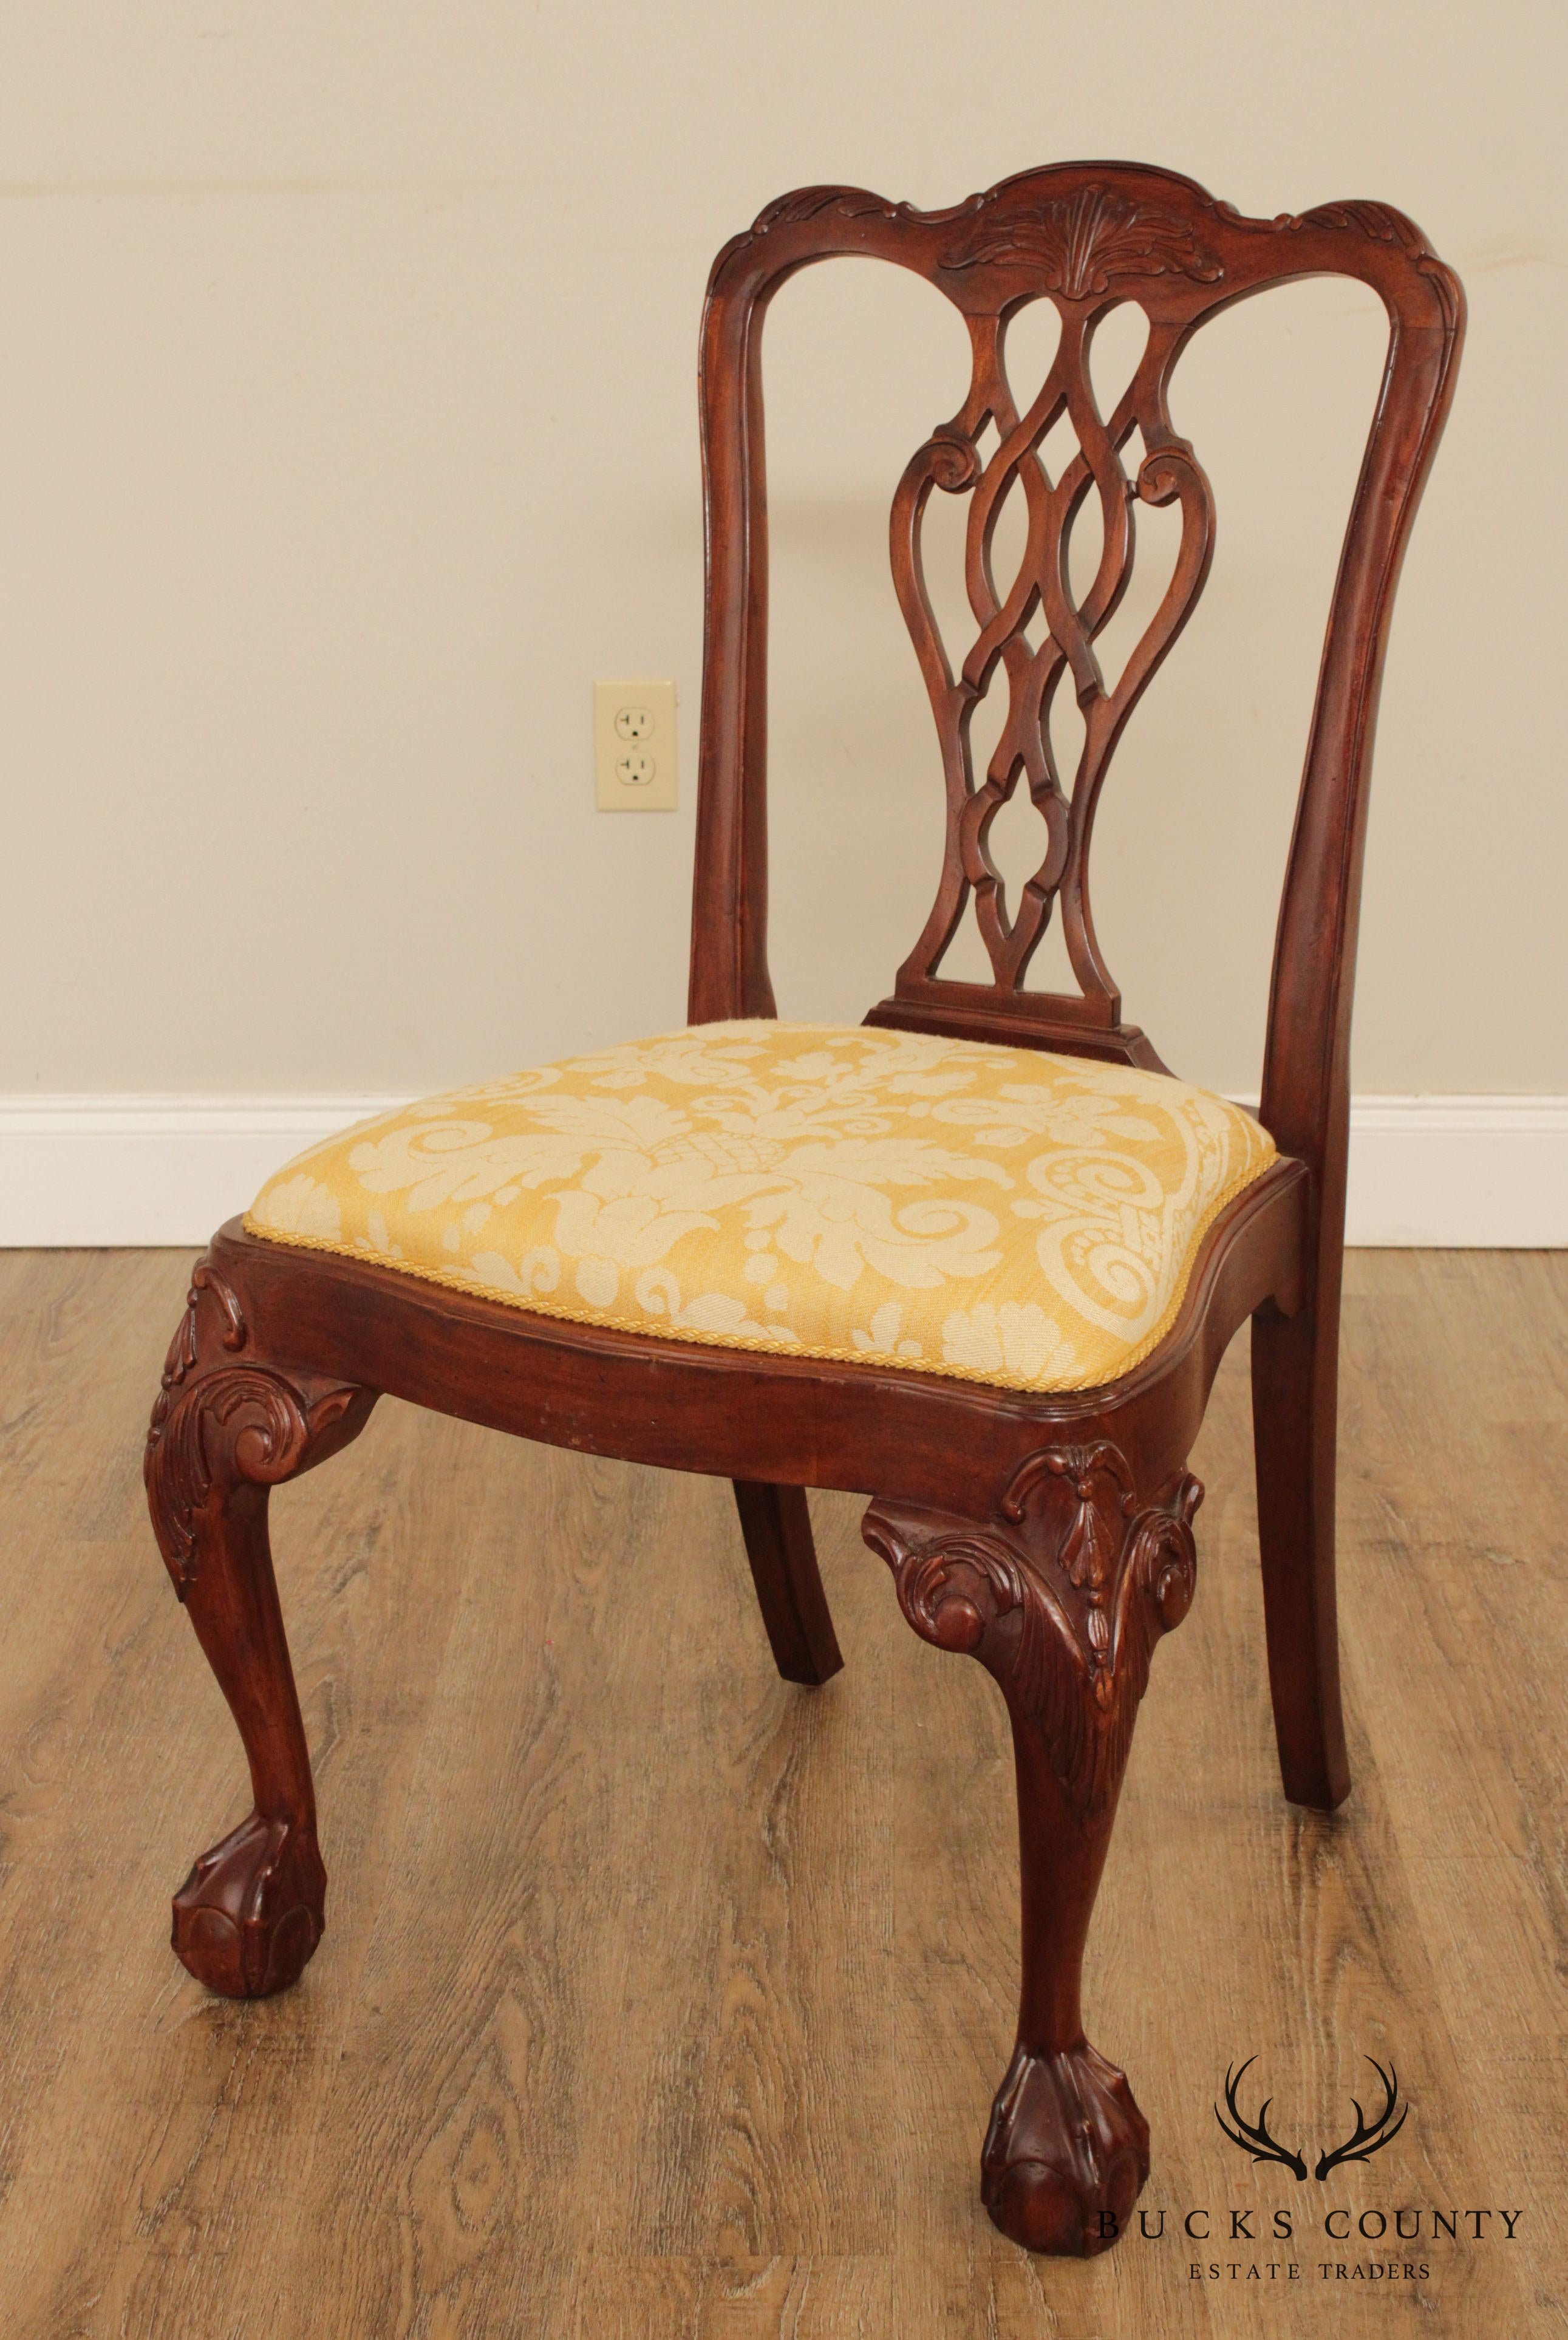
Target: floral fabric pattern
(887, 1198)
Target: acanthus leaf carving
(1375, 222)
(1379, 222)
(1093, 1582)
(216, 1425)
(812, 203)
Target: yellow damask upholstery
(996, 1214)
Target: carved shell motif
(1082, 243)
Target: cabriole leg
(227, 1427)
(1062, 1596)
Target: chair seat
(876, 1198)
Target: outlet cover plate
(634, 768)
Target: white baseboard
(107, 1171)
(113, 1171)
(1475, 1172)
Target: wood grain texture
(666, 1999)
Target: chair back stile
(1087, 236)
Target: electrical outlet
(634, 746)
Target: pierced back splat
(1065, 661)
(1087, 236)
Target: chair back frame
(1087, 236)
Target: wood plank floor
(660, 1997)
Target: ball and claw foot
(252, 1911)
(1066, 2153)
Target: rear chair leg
(1062, 1595)
(777, 1527)
(1295, 1397)
(227, 1427)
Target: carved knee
(1062, 1594)
(218, 1427)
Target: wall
(348, 430)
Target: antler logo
(1371, 2138)
(1253, 2137)
(1367, 2138)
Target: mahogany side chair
(977, 1258)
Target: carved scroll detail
(182, 1356)
(215, 1426)
(1091, 1580)
(812, 203)
(1381, 224)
